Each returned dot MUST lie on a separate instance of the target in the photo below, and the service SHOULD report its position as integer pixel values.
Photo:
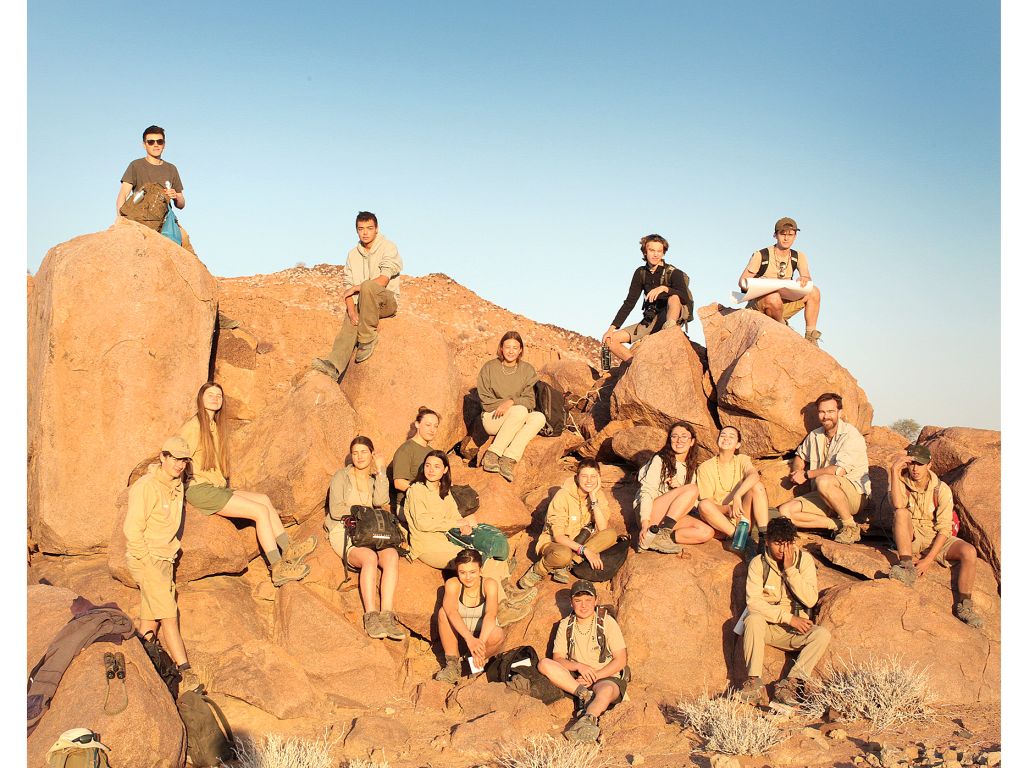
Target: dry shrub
(546, 752)
(729, 726)
(275, 752)
(884, 691)
(361, 763)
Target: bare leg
(771, 305)
(717, 516)
(967, 556)
(674, 311)
(558, 675)
(679, 500)
(617, 346)
(755, 501)
(831, 491)
(801, 519)
(449, 640)
(903, 531)
(261, 498)
(494, 642)
(811, 308)
(690, 530)
(170, 637)
(242, 507)
(605, 694)
(365, 559)
(388, 562)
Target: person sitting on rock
(781, 261)
(431, 511)
(408, 459)
(151, 525)
(588, 660)
(208, 489)
(667, 494)
(468, 612)
(730, 489)
(364, 483)
(782, 587)
(923, 523)
(579, 507)
(505, 386)
(667, 300)
(835, 458)
(372, 291)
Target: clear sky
(524, 150)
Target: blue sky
(525, 150)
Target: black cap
(583, 587)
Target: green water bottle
(739, 538)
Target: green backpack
(485, 539)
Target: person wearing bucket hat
(76, 740)
(781, 261)
(588, 661)
(151, 525)
(922, 508)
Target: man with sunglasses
(923, 528)
(152, 169)
(777, 261)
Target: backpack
(611, 561)
(509, 668)
(162, 662)
(170, 228)
(147, 205)
(650, 309)
(85, 757)
(765, 259)
(466, 499)
(489, 541)
(373, 528)
(602, 641)
(209, 737)
(552, 403)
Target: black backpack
(162, 662)
(551, 402)
(611, 561)
(651, 310)
(466, 499)
(209, 737)
(765, 259)
(522, 678)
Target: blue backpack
(170, 228)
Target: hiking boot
(489, 463)
(189, 681)
(468, 449)
(752, 692)
(297, 550)
(451, 672)
(510, 613)
(584, 730)
(119, 668)
(389, 622)
(282, 572)
(583, 697)
(664, 543)
(374, 626)
(326, 367)
(848, 534)
(787, 691)
(562, 576)
(363, 351)
(966, 613)
(813, 336)
(905, 574)
(516, 596)
(530, 579)
(643, 544)
(506, 467)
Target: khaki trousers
(555, 556)
(513, 431)
(757, 631)
(375, 302)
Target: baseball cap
(177, 447)
(583, 587)
(786, 223)
(919, 453)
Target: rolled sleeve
(803, 451)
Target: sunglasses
(157, 142)
(86, 738)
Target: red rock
(636, 445)
(120, 320)
(418, 596)
(258, 672)
(884, 445)
(499, 504)
(767, 378)
(775, 476)
(953, 447)
(85, 575)
(235, 371)
(599, 446)
(217, 614)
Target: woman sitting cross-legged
(468, 613)
(365, 483)
(668, 493)
(730, 489)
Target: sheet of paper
(473, 668)
(756, 287)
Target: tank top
(472, 615)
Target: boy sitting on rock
(588, 661)
(782, 587)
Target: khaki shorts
(789, 308)
(921, 544)
(638, 330)
(156, 583)
(208, 499)
(813, 502)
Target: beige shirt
(846, 450)
(928, 519)
(586, 649)
(429, 518)
(344, 495)
(773, 600)
(495, 384)
(155, 503)
(777, 260)
(190, 432)
(651, 486)
(381, 259)
(570, 512)
(715, 481)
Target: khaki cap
(786, 223)
(919, 453)
(177, 447)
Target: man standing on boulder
(372, 289)
(923, 523)
(781, 261)
(835, 458)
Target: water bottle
(606, 358)
(739, 538)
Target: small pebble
(837, 734)
(389, 710)
(811, 733)
(950, 756)
(913, 752)
(636, 759)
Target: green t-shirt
(407, 462)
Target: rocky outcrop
(636, 445)
(120, 327)
(261, 674)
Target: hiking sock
(761, 531)
(654, 529)
(908, 561)
(183, 667)
(273, 555)
(669, 523)
(282, 542)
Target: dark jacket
(643, 282)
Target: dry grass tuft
(275, 752)
(547, 752)
(729, 726)
(884, 691)
(360, 763)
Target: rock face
(638, 444)
(147, 731)
(260, 673)
(767, 378)
(120, 326)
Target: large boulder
(664, 383)
(767, 378)
(884, 445)
(636, 445)
(218, 614)
(146, 733)
(119, 333)
(259, 673)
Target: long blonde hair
(214, 456)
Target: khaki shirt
(570, 512)
(344, 495)
(775, 260)
(928, 519)
(774, 601)
(715, 481)
(586, 649)
(155, 504)
(429, 518)
(190, 432)
(847, 451)
(651, 486)
(381, 259)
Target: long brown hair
(514, 335)
(668, 456)
(445, 482)
(214, 456)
